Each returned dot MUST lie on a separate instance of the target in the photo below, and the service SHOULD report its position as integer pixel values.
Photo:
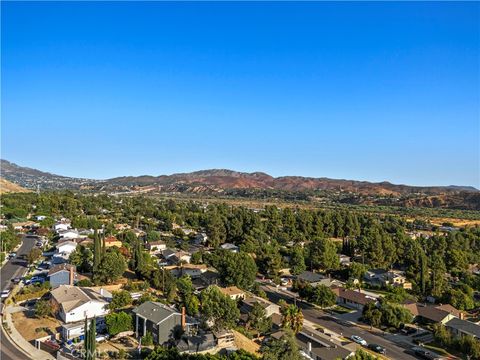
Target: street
(14, 268)
(341, 327)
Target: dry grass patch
(242, 342)
(31, 328)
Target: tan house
(112, 241)
(232, 292)
(433, 313)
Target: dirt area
(455, 222)
(242, 342)
(29, 326)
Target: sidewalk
(30, 351)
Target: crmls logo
(82, 354)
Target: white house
(66, 247)
(230, 247)
(76, 303)
(68, 234)
(61, 226)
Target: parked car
(39, 243)
(425, 354)
(35, 280)
(4, 294)
(16, 280)
(12, 255)
(407, 330)
(377, 348)
(358, 340)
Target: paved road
(13, 268)
(16, 267)
(341, 327)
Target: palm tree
(292, 318)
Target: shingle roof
(311, 277)
(464, 326)
(353, 296)
(61, 267)
(154, 311)
(70, 297)
(429, 312)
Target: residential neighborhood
(213, 297)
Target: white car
(4, 294)
(358, 340)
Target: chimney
(72, 275)
(184, 322)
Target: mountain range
(233, 183)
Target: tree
(120, 299)
(322, 296)
(147, 339)
(97, 250)
(258, 320)
(297, 261)
(237, 269)
(460, 298)
(90, 339)
(215, 230)
(285, 348)
(33, 255)
(82, 258)
(118, 322)
(323, 254)
(218, 309)
(43, 309)
(292, 317)
(357, 271)
(111, 268)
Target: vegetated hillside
(9, 187)
(258, 184)
(31, 178)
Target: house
(250, 301)
(68, 234)
(382, 278)
(230, 247)
(314, 279)
(66, 247)
(175, 257)
(318, 348)
(158, 319)
(112, 241)
(432, 313)
(352, 299)
(459, 328)
(156, 247)
(397, 278)
(225, 338)
(206, 279)
(61, 226)
(76, 303)
(192, 270)
(232, 292)
(75, 330)
(201, 342)
(200, 238)
(64, 274)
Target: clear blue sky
(369, 91)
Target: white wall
(90, 309)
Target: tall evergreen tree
(97, 252)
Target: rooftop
(155, 311)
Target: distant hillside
(233, 183)
(9, 187)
